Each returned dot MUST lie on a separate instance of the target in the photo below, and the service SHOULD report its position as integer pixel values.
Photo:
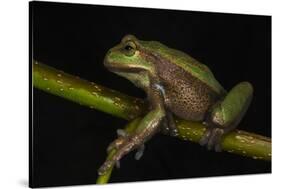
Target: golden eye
(129, 48)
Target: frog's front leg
(148, 126)
(168, 126)
(226, 115)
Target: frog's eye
(129, 48)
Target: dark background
(69, 140)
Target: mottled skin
(175, 84)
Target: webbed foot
(212, 139)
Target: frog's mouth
(113, 67)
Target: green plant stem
(86, 93)
(115, 103)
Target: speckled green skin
(176, 84)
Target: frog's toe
(212, 139)
(105, 167)
(115, 144)
(117, 164)
(122, 133)
(139, 153)
(165, 126)
(169, 131)
(204, 140)
(174, 132)
(122, 136)
(172, 125)
(218, 147)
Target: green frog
(176, 85)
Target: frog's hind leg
(226, 115)
(148, 126)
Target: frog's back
(189, 64)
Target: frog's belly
(189, 101)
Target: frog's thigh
(229, 112)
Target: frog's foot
(129, 143)
(122, 136)
(138, 156)
(116, 159)
(165, 126)
(169, 126)
(212, 139)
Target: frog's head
(128, 57)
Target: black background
(70, 140)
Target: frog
(176, 85)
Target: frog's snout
(106, 58)
(109, 62)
